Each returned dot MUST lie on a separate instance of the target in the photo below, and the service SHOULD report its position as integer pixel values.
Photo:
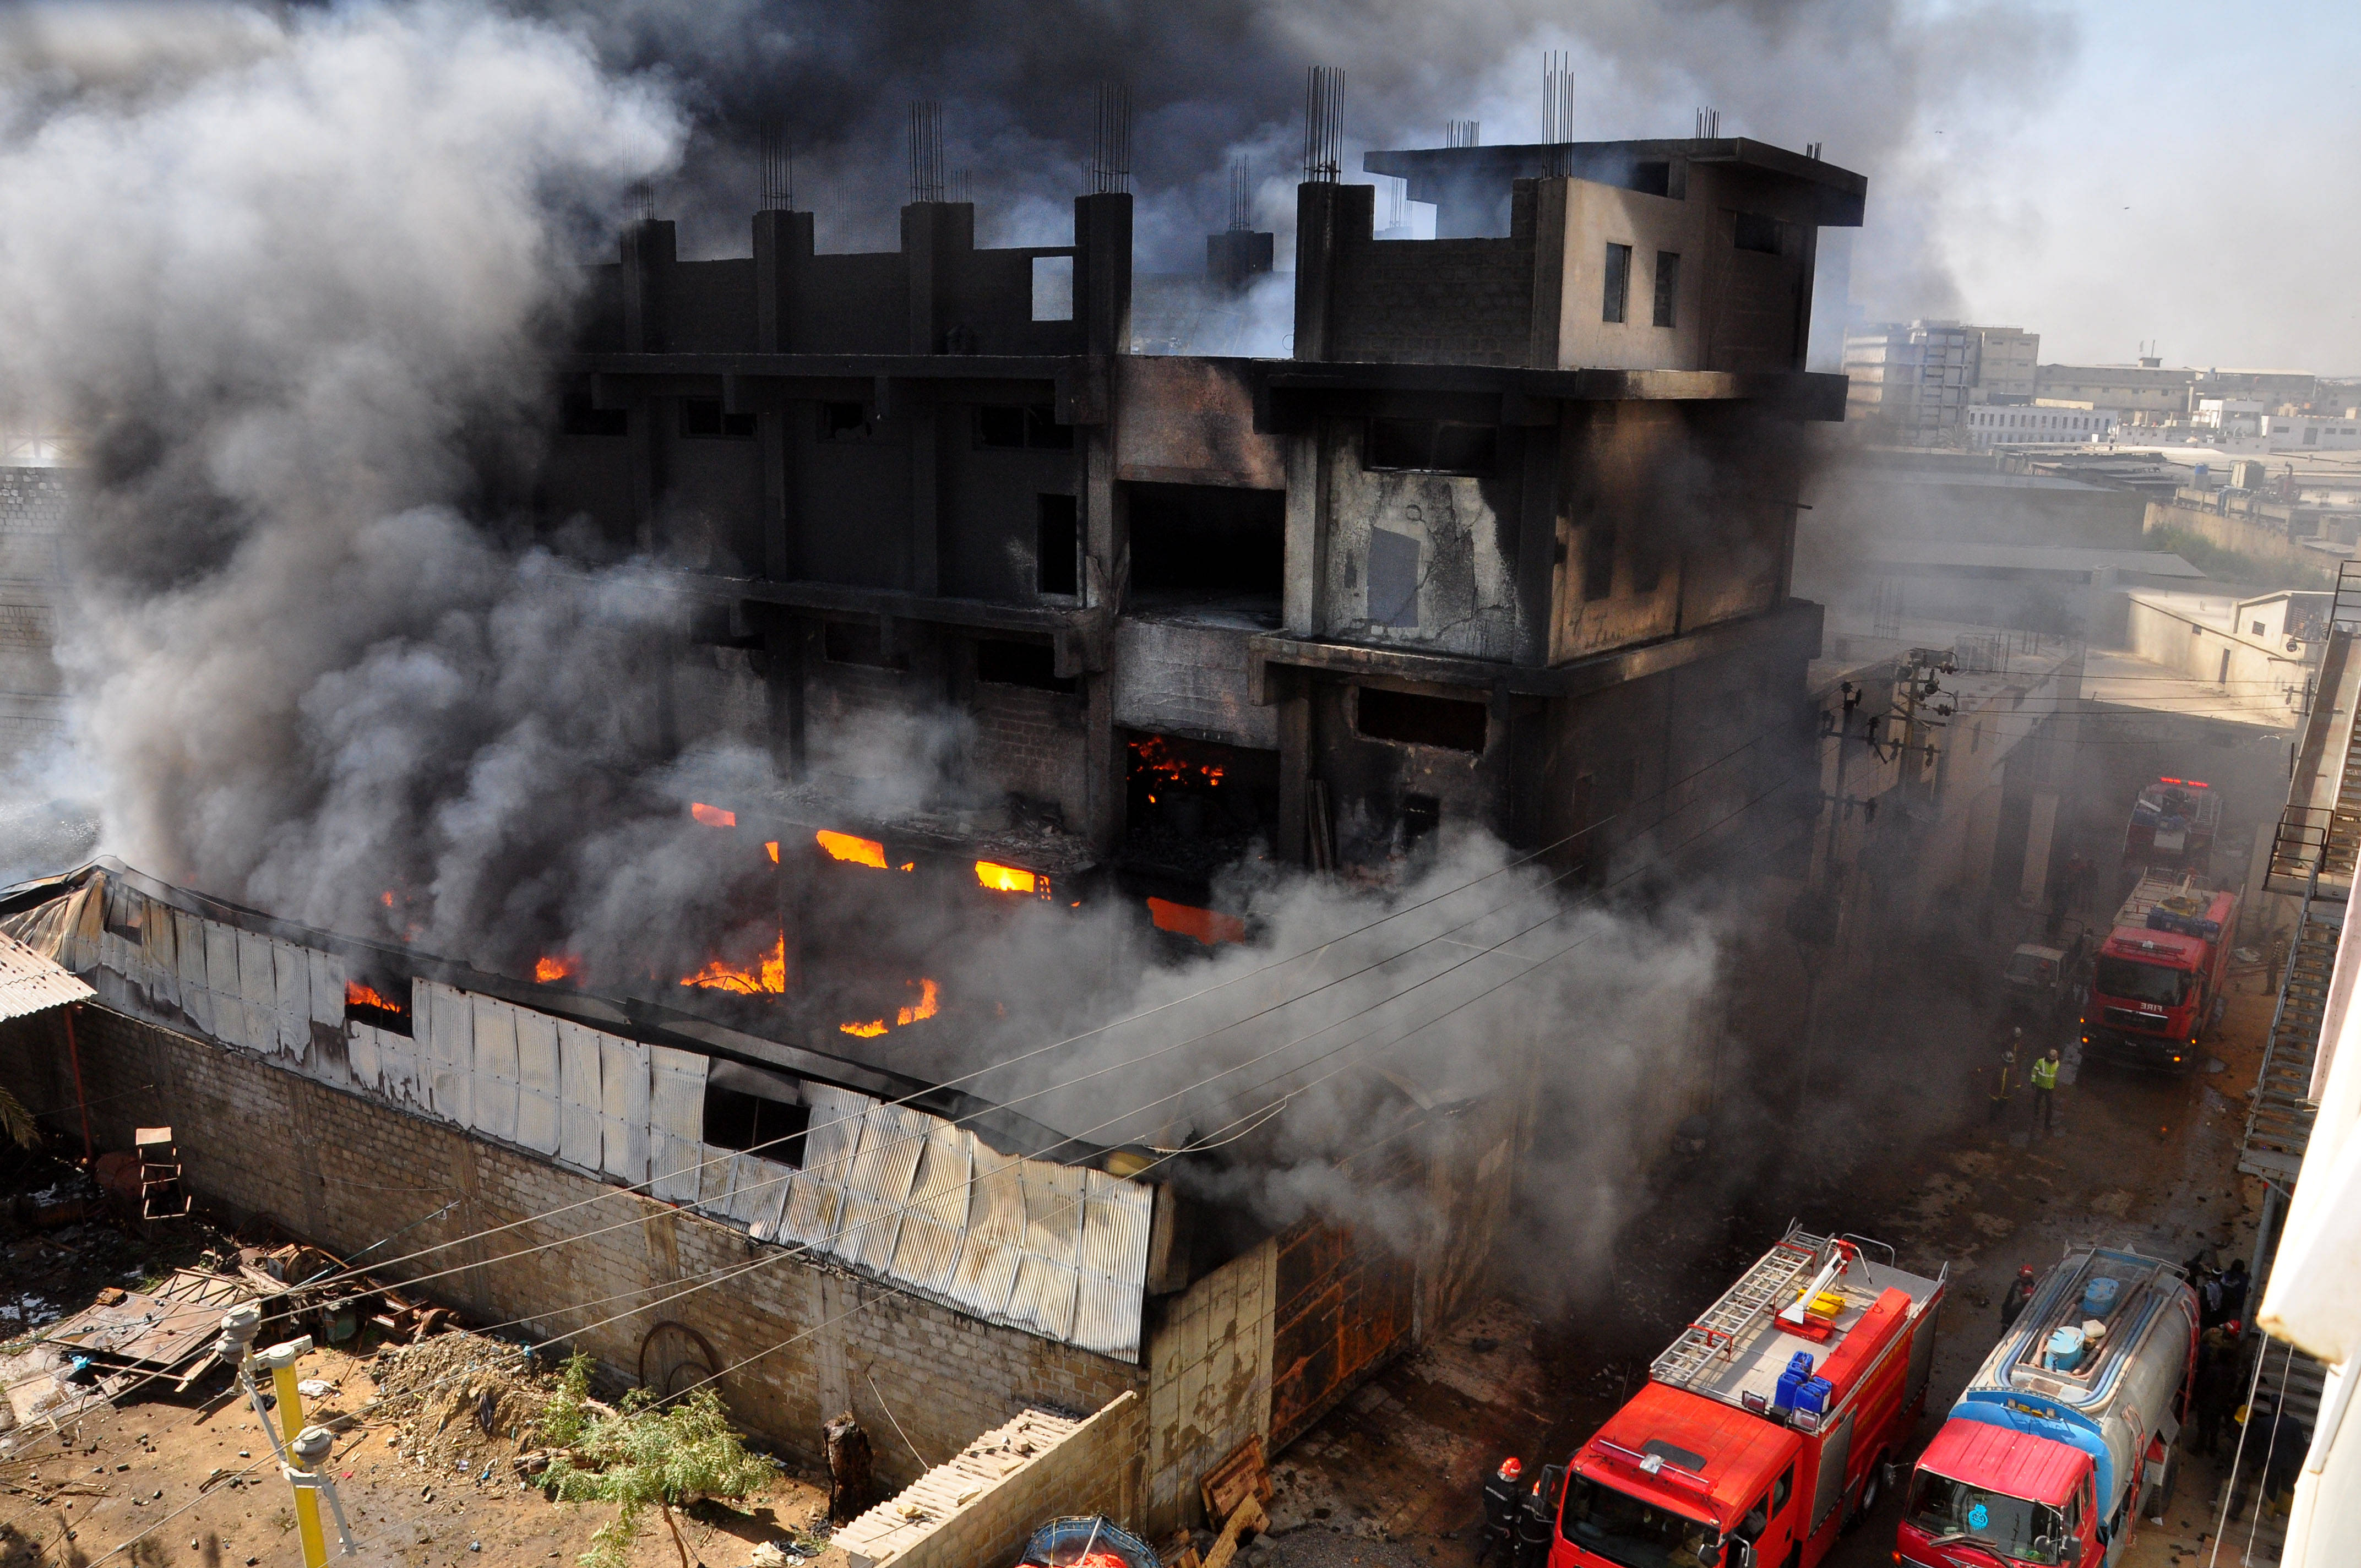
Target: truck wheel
(1872, 1485)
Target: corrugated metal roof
(31, 983)
(905, 1194)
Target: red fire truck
(2159, 974)
(1771, 1423)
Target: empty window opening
(1053, 287)
(1034, 427)
(1058, 547)
(702, 419)
(846, 421)
(858, 642)
(578, 416)
(1668, 285)
(1201, 542)
(1652, 177)
(776, 1130)
(381, 1001)
(1617, 294)
(1034, 664)
(1420, 815)
(1450, 722)
(1430, 446)
(1756, 232)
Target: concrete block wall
(349, 1172)
(1092, 1467)
(1460, 301)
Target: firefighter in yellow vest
(2044, 1078)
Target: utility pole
(304, 1453)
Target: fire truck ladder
(1772, 1282)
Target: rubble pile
(459, 1402)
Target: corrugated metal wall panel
(496, 1043)
(624, 1082)
(291, 998)
(327, 987)
(581, 1134)
(189, 946)
(221, 981)
(536, 1052)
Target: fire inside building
(1503, 545)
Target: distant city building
(1911, 379)
(2230, 416)
(2033, 425)
(2288, 432)
(2006, 365)
(2268, 387)
(2146, 388)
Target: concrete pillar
(1549, 274)
(1537, 544)
(1307, 537)
(1102, 272)
(782, 253)
(1326, 216)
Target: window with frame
(1616, 296)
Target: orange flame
(928, 1003)
(1153, 754)
(1207, 926)
(774, 848)
(855, 851)
(712, 816)
(769, 978)
(551, 968)
(1010, 879)
(361, 994)
(386, 898)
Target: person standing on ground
(2216, 1394)
(2275, 1449)
(1501, 1511)
(2001, 1081)
(2233, 1290)
(2020, 1291)
(2044, 1079)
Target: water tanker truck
(2064, 1438)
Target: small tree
(649, 1455)
(566, 1413)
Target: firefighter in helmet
(1500, 1491)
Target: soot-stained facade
(1505, 542)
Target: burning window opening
(1207, 926)
(854, 851)
(371, 1002)
(771, 848)
(1011, 879)
(775, 1129)
(767, 978)
(928, 1003)
(551, 968)
(712, 816)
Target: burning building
(1504, 545)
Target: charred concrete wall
(1423, 559)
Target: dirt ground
(159, 1480)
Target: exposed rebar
(778, 168)
(1110, 139)
(1241, 199)
(926, 150)
(1465, 132)
(1708, 123)
(1324, 123)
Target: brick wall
(1462, 301)
(348, 1172)
(1031, 743)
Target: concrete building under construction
(1504, 545)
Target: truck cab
(2158, 979)
(1977, 1495)
(1672, 1482)
(2064, 1437)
